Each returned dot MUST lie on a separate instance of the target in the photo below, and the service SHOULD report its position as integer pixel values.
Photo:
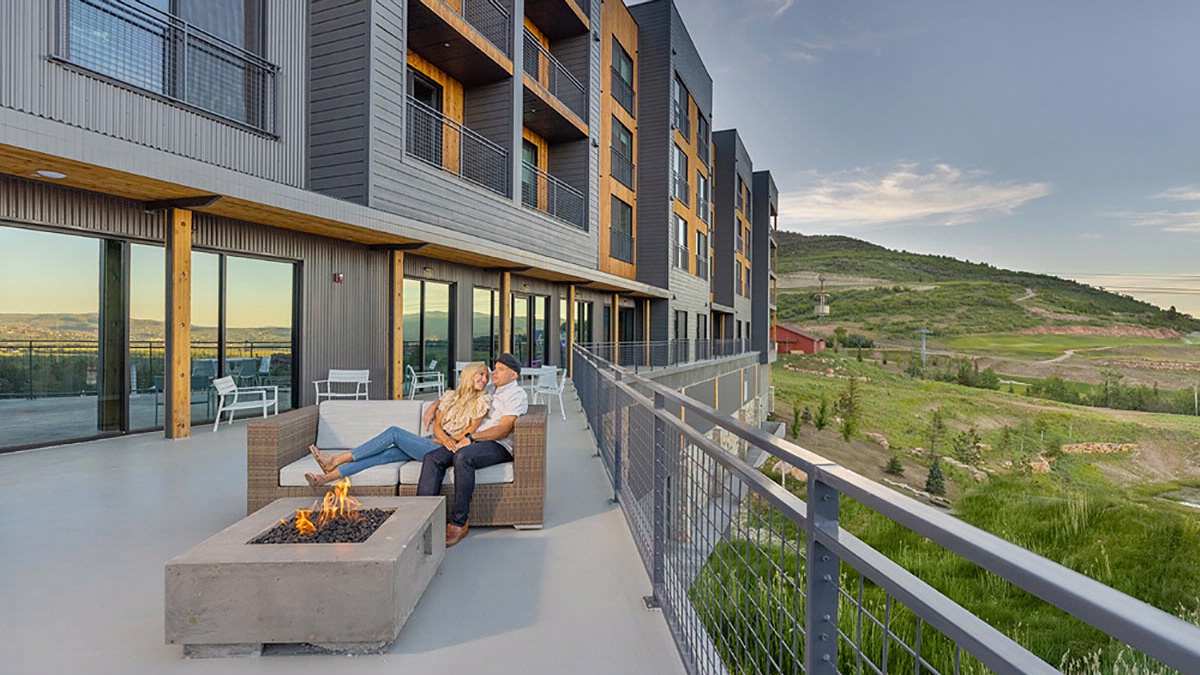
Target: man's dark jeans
(465, 461)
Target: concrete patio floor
(85, 530)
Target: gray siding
(687, 63)
(766, 202)
(724, 214)
(342, 326)
(571, 161)
(654, 147)
(60, 93)
(488, 112)
(338, 98)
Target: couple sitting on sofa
(472, 429)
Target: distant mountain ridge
(86, 327)
(965, 292)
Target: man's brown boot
(455, 534)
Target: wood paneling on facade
(618, 24)
(178, 366)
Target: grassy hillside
(950, 307)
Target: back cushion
(348, 424)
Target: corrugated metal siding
(654, 143)
(343, 325)
(337, 99)
(52, 91)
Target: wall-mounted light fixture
(47, 173)
(338, 277)
(427, 270)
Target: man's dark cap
(510, 361)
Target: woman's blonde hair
(466, 389)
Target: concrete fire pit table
(227, 597)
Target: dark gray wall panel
(654, 143)
(571, 162)
(487, 111)
(729, 393)
(766, 202)
(56, 92)
(337, 96)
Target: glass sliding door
(258, 324)
(429, 327)
(562, 331)
(520, 328)
(147, 336)
(485, 336)
(206, 363)
(49, 337)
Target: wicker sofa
(279, 444)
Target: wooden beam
(181, 203)
(570, 364)
(178, 395)
(398, 247)
(505, 301)
(396, 375)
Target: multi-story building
(269, 190)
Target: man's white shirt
(510, 399)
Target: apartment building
(197, 188)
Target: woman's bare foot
(317, 481)
(323, 459)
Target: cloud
(904, 193)
(1166, 220)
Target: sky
(1056, 137)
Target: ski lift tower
(822, 298)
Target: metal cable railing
(751, 579)
(161, 53)
(438, 140)
(545, 192)
(664, 353)
(623, 92)
(682, 122)
(621, 168)
(541, 65)
(620, 245)
(492, 21)
(682, 189)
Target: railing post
(821, 581)
(30, 359)
(617, 445)
(658, 551)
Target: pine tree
(937, 428)
(795, 420)
(806, 416)
(894, 466)
(849, 406)
(935, 484)
(822, 419)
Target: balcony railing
(702, 149)
(683, 191)
(752, 578)
(682, 255)
(703, 208)
(682, 122)
(541, 65)
(620, 245)
(665, 353)
(545, 192)
(492, 21)
(740, 202)
(434, 138)
(623, 92)
(622, 169)
(702, 265)
(169, 57)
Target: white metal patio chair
(550, 383)
(425, 380)
(231, 398)
(359, 378)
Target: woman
(459, 413)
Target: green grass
(1040, 346)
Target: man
(491, 443)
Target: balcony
(703, 208)
(682, 190)
(702, 266)
(621, 169)
(682, 122)
(620, 245)
(166, 56)
(560, 19)
(438, 140)
(469, 39)
(740, 202)
(682, 254)
(542, 191)
(623, 92)
(555, 101)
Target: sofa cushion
(347, 424)
(383, 475)
(410, 474)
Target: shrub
(822, 418)
(894, 466)
(935, 483)
(849, 406)
(966, 447)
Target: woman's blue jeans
(393, 445)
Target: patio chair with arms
(550, 383)
(231, 398)
(425, 380)
(359, 378)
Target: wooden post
(178, 395)
(505, 312)
(397, 328)
(570, 364)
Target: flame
(336, 504)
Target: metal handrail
(560, 199)
(621, 245)
(492, 21)
(478, 159)
(623, 92)
(683, 190)
(241, 85)
(558, 80)
(1158, 634)
(622, 169)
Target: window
(529, 315)
(679, 109)
(583, 322)
(746, 282)
(737, 281)
(702, 255)
(485, 334)
(681, 325)
(621, 231)
(679, 166)
(425, 121)
(701, 326)
(622, 154)
(702, 205)
(681, 238)
(703, 143)
(622, 77)
(529, 177)
(428, 339)
(741, 194)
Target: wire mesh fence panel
(441, 141)
(491, 19)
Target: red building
(789, 340)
